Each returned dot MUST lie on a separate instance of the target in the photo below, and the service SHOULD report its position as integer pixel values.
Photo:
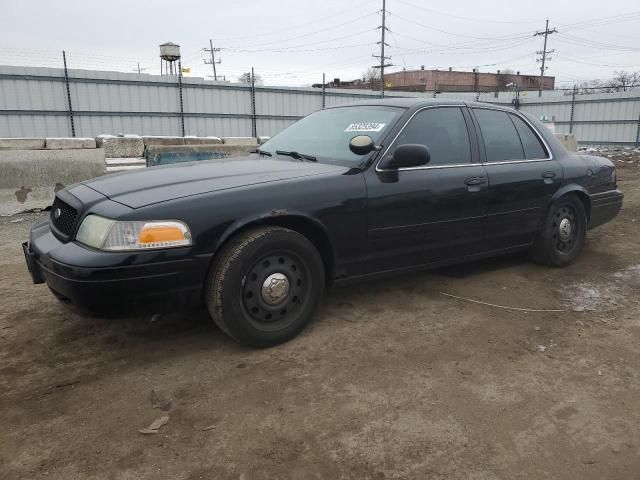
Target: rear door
(435, 212)
(523, 176)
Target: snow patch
(590, 297)
(604, 296)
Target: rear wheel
(563, 233)
(265, 286)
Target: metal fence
(36, 102)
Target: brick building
(449, 81)
(456, 81)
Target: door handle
(548, 177)
(474, 181)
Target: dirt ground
(393, 380)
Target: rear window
(501, 140)
(533, 147)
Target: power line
(594, 43)
(577, 60)
(481, 20)
(600, 56)
(451, 33)
(306, 34)
(282, 49)
(478, 47)
(624, 17)
(467, 51)
(501, 62)
(401, 56)
(297, 26)
(322, 49)
(601, 33)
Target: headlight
(111, 235)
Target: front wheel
(563, 233)
(265, 286)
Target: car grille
(65, 221)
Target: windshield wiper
(297, 155)
(262, 152)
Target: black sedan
(347, 193)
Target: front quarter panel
(335, 202)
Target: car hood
(146, 186)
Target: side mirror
(407, 156)
(362, 144)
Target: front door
(523, 176)
(433, 213)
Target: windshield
(326, 134)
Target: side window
(533, 148)
(444, 131)
(501, 140)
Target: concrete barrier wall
(121, 147)
(69, 143)
(30, 178)
(33, 169)
(165, 154)
(568, 141)
(22, 143)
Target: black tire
(563, 233)
(241, 301)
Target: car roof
(413, 102)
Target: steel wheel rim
(288, 278)
(565, 229)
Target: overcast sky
(292, 42)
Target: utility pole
(254, 122)
(544, 52)
(213, 61)
(140, 70)
(66, 81)
(383, 28)
(476, 82)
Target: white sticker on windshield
(365, 127)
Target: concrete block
(200, 148)
(30, 178)
(165, 154)
(162, 140)
(191, 140)
(22, 143)
(69, 143)
(123, 168)
(111, 162)
(240, 141)
(123, 164)
(121, 147)
(568, 141)
(202, 140)
(262, 139)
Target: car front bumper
(115, 283)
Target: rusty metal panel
(33, 102)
